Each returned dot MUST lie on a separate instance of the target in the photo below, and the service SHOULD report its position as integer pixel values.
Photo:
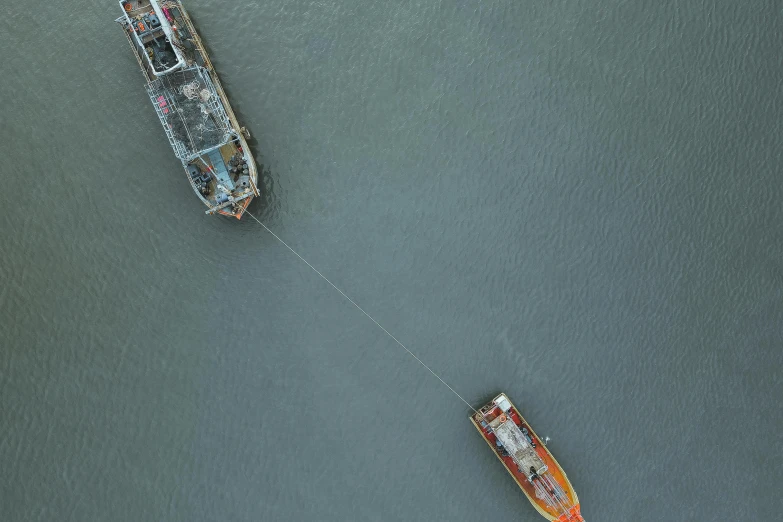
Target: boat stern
(238, 210)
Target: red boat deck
(565, 509)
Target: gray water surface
(577, 203)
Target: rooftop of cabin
(190, 110)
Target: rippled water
(575, 203)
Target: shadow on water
(265, 206)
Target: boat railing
(163, 104)
(197, 41)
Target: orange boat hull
(570, 512)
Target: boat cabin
(498, 416)
(153, 36)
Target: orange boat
(528, 460)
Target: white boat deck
(517, 446)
